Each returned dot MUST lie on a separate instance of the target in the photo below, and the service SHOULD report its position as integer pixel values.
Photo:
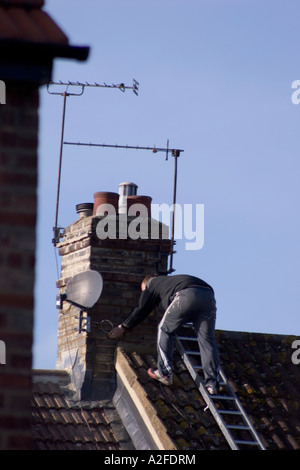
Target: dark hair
(148, 277)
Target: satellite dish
(84, 289)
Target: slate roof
(261, 373)
(267, 382)
(258, 366)
(26, 30)
(25, 20)
(61, 423)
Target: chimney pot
(104, 198)
(145, 201)
(84, 209)
(125, 190)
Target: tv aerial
(174, 152)
(80, 86)
(58, 231)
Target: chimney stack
(123, 262)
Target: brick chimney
(123, 246)
(29, 42)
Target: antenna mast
(135, 87)
(174, 152)
(65, 94)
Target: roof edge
(238, 334)
(142, 403)
(17, 49)
(22, 3)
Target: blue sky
(216, 80)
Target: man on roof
(183, 299)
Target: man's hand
(117, 332)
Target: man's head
(146, 280)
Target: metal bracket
(58, 233)
(84, 323)
(60, 298)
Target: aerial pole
(174, 152)
(65, 94)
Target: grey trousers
(198, 306)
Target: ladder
(226, 408)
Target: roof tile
(26, 21)
(258, 367)
(261, 373)
(26, 26)
(59, 424)
(50, 29)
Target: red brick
(19, 339)
(14, 422)
(17, 219)
(21, 179)
(18, 401)
(15, 260)
(21, 99)
(20, 361)
(13, 380)
(3, 320)
(28, 141)
(19, 442)
(24, 301)
(31, 261)
(28, 162)
(8, 139)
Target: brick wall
(18, 182)
(123, 264)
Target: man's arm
(147, 303)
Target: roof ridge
(274, 336)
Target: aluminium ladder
(226, 408)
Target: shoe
(165, 379)
(212, 387)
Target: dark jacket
(159, 293)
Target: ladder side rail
(252, 430)
(217, 415)
(219, 420)
(238, 404)
(242, 410)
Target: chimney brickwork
(123, 263)
(18, 177)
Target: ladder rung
(229, 412)
(221, 397)
(217, 413)
(237, 426)
(187, 338)
(251, 443)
